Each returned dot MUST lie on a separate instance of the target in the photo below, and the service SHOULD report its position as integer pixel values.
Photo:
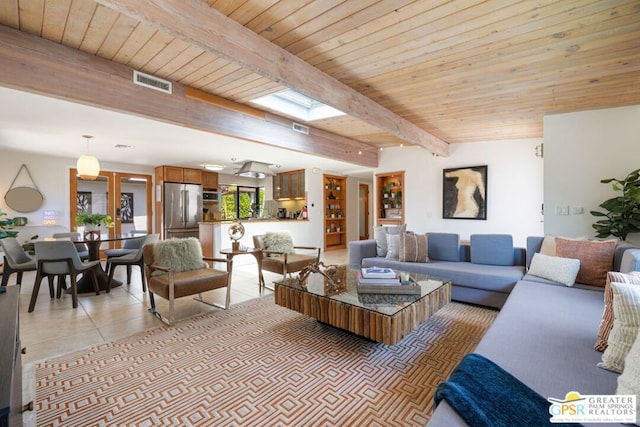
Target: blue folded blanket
(484, 394)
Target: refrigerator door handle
(186, 207)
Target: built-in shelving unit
(390, 198)
(335, 212)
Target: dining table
(93, 242)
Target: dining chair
(130, 246)
(59, 259)
(16, 260)
(82, 248)
(130, 259)
(281, 256)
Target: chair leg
(34, 293)
(5, 275)
(128, 274)
(94, 279)
(61, 279)
(51, 279)
(144, 280)
(111, 270)
(74, 290)
(19, 281)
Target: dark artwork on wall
(464, 193)
(83, 201)
(126, 208)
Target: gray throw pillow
(380, 234)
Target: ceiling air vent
(297, 127)
(151, 82)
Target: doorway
(126, 197)
(363, 210)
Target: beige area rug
(257, 364)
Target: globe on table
(236, 231)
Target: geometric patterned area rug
(257, 364)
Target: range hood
(253, 169)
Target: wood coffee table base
(360, 321)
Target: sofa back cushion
(492, 249)
(443, 246)
(380, 235)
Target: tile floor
(55, 328)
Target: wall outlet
(562, 210)
(577, 210)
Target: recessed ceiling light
(122, 146)
(214, 167)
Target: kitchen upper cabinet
(289, 185)
(210, 180)
(177, 174)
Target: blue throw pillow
(492, 249)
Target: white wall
(514, 187)
(580, 149)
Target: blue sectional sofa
(484, 271)
(545, 332)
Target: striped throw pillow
(606, 324)
(413, 247)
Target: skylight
(295, 104)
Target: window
(241, 202)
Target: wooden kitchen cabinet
(289, 185)
(335, 208)
(178, 174)
(390, 198)
(209, 180)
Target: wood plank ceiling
(463, 71)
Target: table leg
(85, 285)
(258, 257)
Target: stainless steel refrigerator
(182, 209)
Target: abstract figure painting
(464, 193)
(126, 208)
(83, 201)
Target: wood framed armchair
(175, 268)
(283, 259)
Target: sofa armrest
(359, 249)
(630, 260)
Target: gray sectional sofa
(545, 332)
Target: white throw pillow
(561, 270)
(626, 324)
(380, 234)
(629, 380)
(393, 246)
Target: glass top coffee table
(385, 318)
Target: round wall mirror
(24, 199)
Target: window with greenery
(241, 202)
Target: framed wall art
(126, 208)
(464, 193)
(83, 201)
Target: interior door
(124, 196)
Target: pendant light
(88, 166)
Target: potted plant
(622, 213)
(6, 226)
(93, 221)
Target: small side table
(257, 253)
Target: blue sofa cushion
(443, 246)
(492, 249)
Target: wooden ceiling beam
(36, 65)
(199, 24)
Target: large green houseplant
(94, 220)
(622, 213)
(6, 226)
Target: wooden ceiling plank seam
(122, 29)
(55, 19)
(407, 35)
(31, 16)
(249, 10)
(168, 53)
(227, 90)
(354, 34)
(198, 62)
(9, 13)
(229, 75)
(442, 37)
(267, 20)
(228, 70)
(201, 76)
(496, 52)
(151, 48)
(31, 63)
(226, 6)
(80, 14)
(209, 29)
(138, 38)
(319, 18)
(187, 56)
(99, 29)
